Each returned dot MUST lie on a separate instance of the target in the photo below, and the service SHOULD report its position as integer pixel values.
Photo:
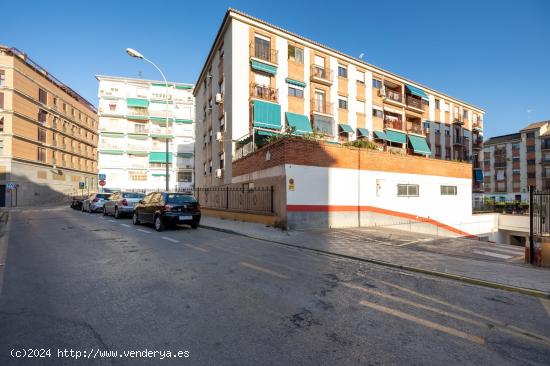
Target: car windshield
(102, 195)
(175, 198)
(133, 195)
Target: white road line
(112, 221)
(125, 225)
(196, 248)
(264, 270)
(491, 254)
(144, 231)
(170, 239)
(518, 251)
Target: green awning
(138, 117)
(157, 101)
(184, 86)
(419, 145)
(346, 128)
(137, 102)
(112, 134)
(161, 119)
(299, 122)
(267, 115)
(396, 136)
(137, 152)
(363, 132)
(112, 152)
(158, 174)
(265, 133)
(417, 91)
(380, 135)
(185, 155)
(159, 157)
(295, 82)
(161, 136)
(184, 121)
(161, 84)
(260, 66)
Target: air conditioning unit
(219, 136)
(382, 92)
(219, 98)
(219, 173)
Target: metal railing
(263, 53)
(393, 95)
(414, 102)
(321, 73)
(264, 92)
(395, 124)
(321, 107)
(252, 200)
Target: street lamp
(133, 53)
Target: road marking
(197, 248)
(424, 322)
(508, 250)
(112, 221)
(546, 304)
(491, 254)
(125, 225)
(144, 231)
(264, 270)
(170, 239)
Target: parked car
(76, 203)
(166, 209)
(121, 203)
(94, 202)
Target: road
(84, 282)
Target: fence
(511, 208)
(253, 200)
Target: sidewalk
(389, 248)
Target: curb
(469, 280)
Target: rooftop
(535, 125)
(503, 139)
(136, 80)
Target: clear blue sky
(493, 54)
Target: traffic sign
(81, 185)
(12, 185)
(102, 176)
(102, 183)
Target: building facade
(512, 163)
(260, 80)
(133, 130)
(48, 144)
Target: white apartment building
(133, 130)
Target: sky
(492, 54)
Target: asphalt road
(81, 282)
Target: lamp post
(136, 54)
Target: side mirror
(140, 201)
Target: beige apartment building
(512, 163)
(48, 135)
(260, 79)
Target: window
(42, 115)
(137, 175)
(42, 154)
(41, 134)
(531, 148)
(185, 177)
(2, 78)
(295, 92)
(515, 172)
(360, 106)
(515, 159)
(531, 162)
(377, 113)
(437, 104)
(1, 147)
(342, 71)
(447, 131)
(531, 175)
(361, 77)
(42, 96)
(342, 103)
(262, 48)
(1, 100)
(465, 114)
(1, 124)
(530, 135)
(376, 83)
(407, 190)
(295, 54)
(438, 150)
(515, 146)
(448, 190)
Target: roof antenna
(361, 55)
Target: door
(141, 211)
(320, 99)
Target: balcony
(458, 140)
(161, 131)
(477, 126)
(321, 107)
(264, 92)
(413, 102)
(477, 141)
(264, 53)
(458, 120)
(500, 152)
(416, 129)
(321, 75)
(394, 124)
(394, 96)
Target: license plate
(186, 217)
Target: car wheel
(195, 225)
(159, 225)
(105, 211)
(117, 214)
(82, 208)
(135, 220)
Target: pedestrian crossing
(500, 251)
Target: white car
(122, 203)
(95, 202)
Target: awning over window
(419, 145)
(379, 135)
(159, 157)
(265, 133)
(417, 91)
(396, 136)
(267, 115)
(299, 122)
(185, 155)
(137, 102)
(362, 132)
(345, 128)
(260, 66)
(295, 82)
(478, 175)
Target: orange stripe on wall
(336, 208)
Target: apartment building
(48, 135)
(259, 80)
(133, 130)
(512, 163)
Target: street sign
(81, 185)
(102, 183)
(102, 176)
(12, 185)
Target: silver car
(94, 203)
(122, 203)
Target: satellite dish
(361, 55)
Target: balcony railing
(264, 53)
(500, 151)
(394, 95)
(264, 92)
(477, 126)
(414, 102)
(321, 107)
(458, 120)
(415, 129)
(320, 72)
(395, 124)
(161, 130)
(458, 140)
